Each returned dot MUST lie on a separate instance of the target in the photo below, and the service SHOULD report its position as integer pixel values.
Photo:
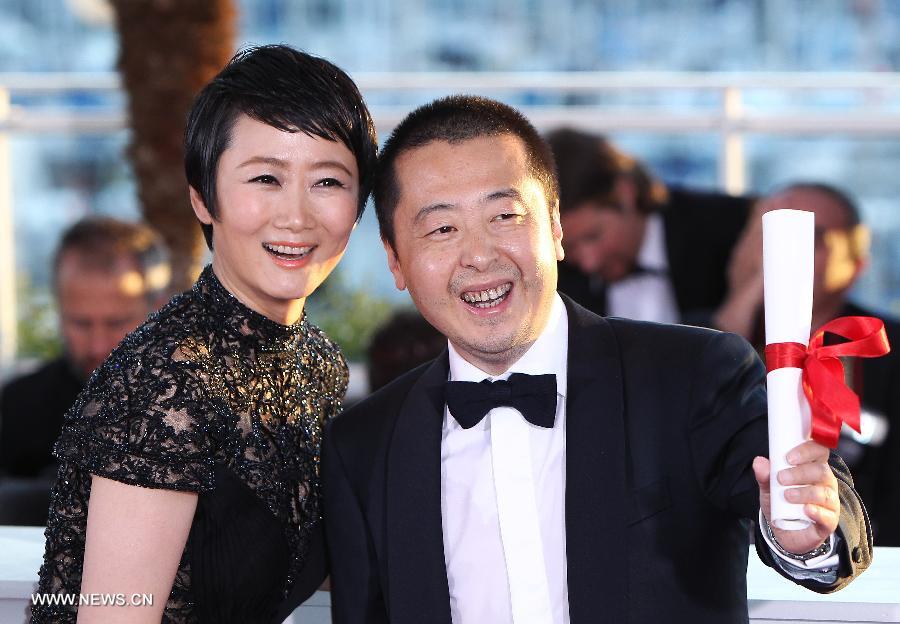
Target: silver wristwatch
(820, 550)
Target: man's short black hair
(286, 89)
(455, 119)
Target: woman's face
(286, 206)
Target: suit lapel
(417, 575)
(596, 532)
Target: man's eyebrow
(507, 193)
(429, 209)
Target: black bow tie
(533, 395)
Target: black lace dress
(207, 396)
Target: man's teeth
(487, 298)
(288, 250)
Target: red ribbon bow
(830, 400)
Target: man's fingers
(814, 495)
(809, 451)
(824, 520)
(807, 474)
(761, 470)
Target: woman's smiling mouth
(285, 251)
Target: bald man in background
(108, 276)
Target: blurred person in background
(841, 255)
(108, 275)
(399, 345)
(636, 248)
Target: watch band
(820, 550)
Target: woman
(190, 463)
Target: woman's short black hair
(286, 89)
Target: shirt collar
(548, 354)
(652, 254)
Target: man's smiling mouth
(489, 298)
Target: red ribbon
(830, 400)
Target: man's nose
(479, 251)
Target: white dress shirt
(646, 296)
(473, 540)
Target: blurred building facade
(57, 177)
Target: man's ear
(848, 251)
(626, 192)
(394, 265)
(199, 207)
(556, 231)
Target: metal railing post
(8, 313)
(732, 159)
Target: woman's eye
(265, 179)
(330, 182)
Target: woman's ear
(199, 207)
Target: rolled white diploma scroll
(788, 247)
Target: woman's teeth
(487, 298)
(287, 251)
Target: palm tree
(168, 50)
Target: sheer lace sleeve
(143, 419)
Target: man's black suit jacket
(701, 230)
(31, 417)
(662, 424)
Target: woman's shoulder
(143, 418)
(160, 336)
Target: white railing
(731, 119)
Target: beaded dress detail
(206, 392)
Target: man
(622, 497)
(841, 255)
(635, 248)
(108, 276)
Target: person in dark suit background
(624, 492)
(404, 341)
(635, 247)
(108, 275)
(841, 256)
